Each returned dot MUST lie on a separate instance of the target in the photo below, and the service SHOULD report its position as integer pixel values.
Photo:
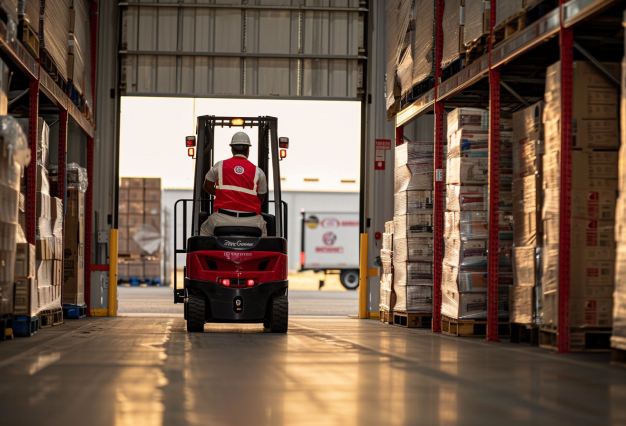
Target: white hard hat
(240, 138)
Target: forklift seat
(238, 231)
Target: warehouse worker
(239, 188)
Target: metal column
(88, 224)
(31, 170)
(439, 182)
(494, 190)
(567, 87)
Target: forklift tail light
(283, 153)
(191, 152)
(225, 282)
(302, 258)
(190, 141)
(251, 282)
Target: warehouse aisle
(326, 370)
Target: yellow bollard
(363, 274)
(113, 273)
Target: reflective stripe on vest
(237, 191)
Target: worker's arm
(261, 197)
(209, 187)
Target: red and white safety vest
(236, 186)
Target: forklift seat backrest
(237, 231)
(270, 224)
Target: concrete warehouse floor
(146, 370)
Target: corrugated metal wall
(265, 48)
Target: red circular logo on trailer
(329, 238)
(239, 170)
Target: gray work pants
(221, 219)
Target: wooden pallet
(526, 334)
(510, 27)
(50, 317)
(409, 320)
(386, 317)
(28, 37)
(50, 66)
(129, 255)
(476, 49)
(592, 339)
(471, 327)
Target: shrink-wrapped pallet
(29, 10)
(414, 249)
(54, 32)
(80, 48)
(424, 45)
(507, 9)
(477, 17)
(466, 198)
(398, 13)
(472, 305)
(452, 26)
(414, 299)
(411, 200)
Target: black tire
(266, 324)
(350, 279)
(280, 314)
(195, 315)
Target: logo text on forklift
(238, 243)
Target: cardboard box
(125, 183)
(122, 271)
(527, 158)
(135, 194)
(135, 269)
(524, 266)
(44, 248)
(124, 194)
(123, 207)
(521, 304)
(25, 257)
(152, 195)
(152, 269)
(135, 220)
(74, 253)
(122, 245)
(152, 183)
(528, 124)
(57, 272)
(26, 302)
(122, 220)
(133, 247)
(43, 205)
(152, 208)
(45, 272)
(135, 183)
(596, 312)
(135, 207)
(467, 171)
(122, 233)
(154, 220)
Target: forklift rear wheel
(350, 279)
(280, 314)
(195, 314)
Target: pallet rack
(22, 64)
(558, 22)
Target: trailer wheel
(280, 314)
(195, 314)
(350, 279)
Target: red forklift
(235, 276)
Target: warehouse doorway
(321, 172)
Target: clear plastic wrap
(424, 46)
(398, 13)
(413, 225)
(414, 299)
(76, 64)
(468, 143)
(55, 23)
(15, 153)
(389, 227)
(77, 177)
(465, 226)
(148, 238)
(467, 198)
(521, 304)
(387, 241)
(412, 201)
(472, 305)
(43, 148)
(507, 9)
(29, 10)
(412, 273)
(467, 171)
(528, 124)
(451, 32)
(472, 253)
(618, 340)
(470, 119)
(474, 26)
(414, 249)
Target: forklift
(235, 276)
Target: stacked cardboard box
(594, 182)
(453, 15)
(413, 228)
(140, 228)
(618, 339)
(387, 298)
(527, 236)
(477, 21)
(79, 45)
(54, 27)
(464, 283)
(507, 10)
(15, 156)
(48, 230)
(74, 259)
(424, 40)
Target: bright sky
(324, 138)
